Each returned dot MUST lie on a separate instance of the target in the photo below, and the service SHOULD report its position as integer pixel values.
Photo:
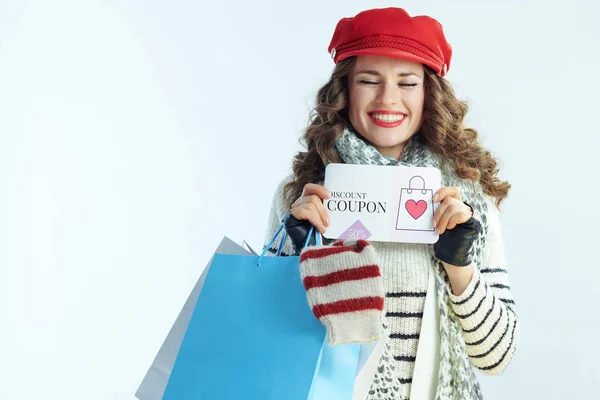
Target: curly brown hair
(442, 130)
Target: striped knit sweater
(485, 309)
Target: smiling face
(386, 101)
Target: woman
(387, 103)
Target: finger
(443, 223)
(311, 198)
(456, 219)
(311, 188)
(320, 207)
(309, 212)
(437, 215)
(447, 191)
(323, 213)
(453, 209)
(449, 202)
(318, 203)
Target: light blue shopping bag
(253, 336)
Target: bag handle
(317, 236)
(318, 241)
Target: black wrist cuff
(455, 245)
(297, 230)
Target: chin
(389, 141)
(384, 137)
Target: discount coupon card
(381, 202)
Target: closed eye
(400, 84)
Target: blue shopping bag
(253, 336)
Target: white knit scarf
(456, 380)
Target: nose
(387, 93)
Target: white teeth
(387, 117)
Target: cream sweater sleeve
(485, 309)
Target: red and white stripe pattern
(345, 290)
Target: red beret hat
(392, 32)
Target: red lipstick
(384, 124)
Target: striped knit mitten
(345, 290)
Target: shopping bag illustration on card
(415, 210)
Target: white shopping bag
(368, 361)
(154, 383)
(415, 211)
(426, 369)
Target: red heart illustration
(416, 209)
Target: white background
(134, 135)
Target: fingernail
(434, 223)
(435, 198)
(327, 222)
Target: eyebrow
(376, 73)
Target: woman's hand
(456, 226)
(452, 210)
(310, 207)
(306, 211)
